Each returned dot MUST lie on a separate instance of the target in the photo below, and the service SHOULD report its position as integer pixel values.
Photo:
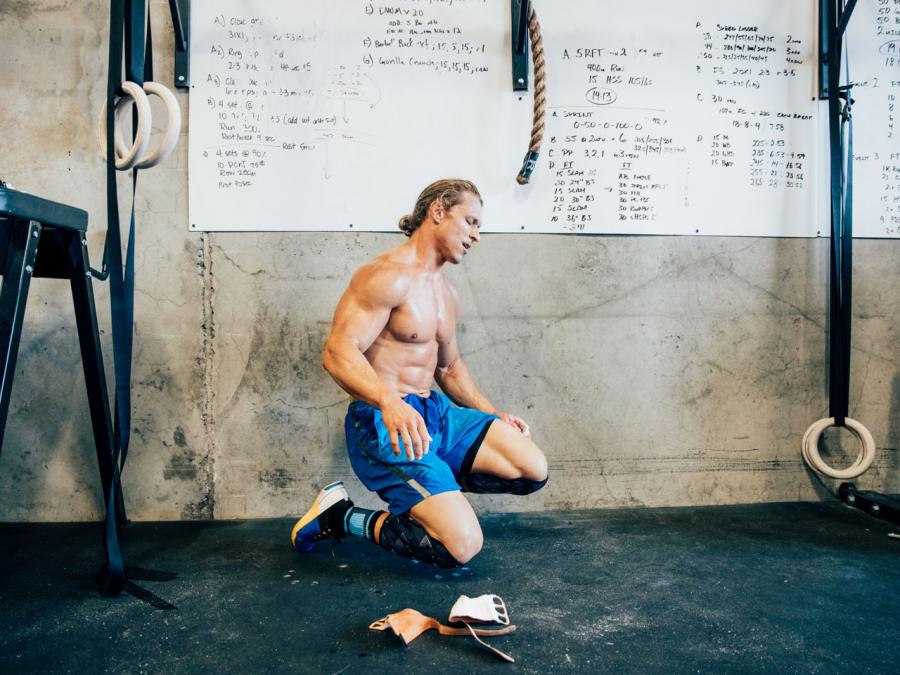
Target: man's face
(458, 228)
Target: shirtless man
(394, 335)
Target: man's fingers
(410, 436)
(417, 442)
(426, 437)
(516, 422)
(409, 444)
(395, 446)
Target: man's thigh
(507, 453)
(401, 482)
(404, 483)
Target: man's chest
(428, 314)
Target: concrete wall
(653, 370)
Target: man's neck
(424, 245)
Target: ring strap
(840, 136)
(127, 21)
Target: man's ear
(437, 211)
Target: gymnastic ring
(173, 130)
(142, 135)
(811, 449)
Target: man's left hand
(517, 422)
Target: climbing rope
(540, 97)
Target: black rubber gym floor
(811, 588)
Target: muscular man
(394, 335)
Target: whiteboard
(873, 52)
(663, 118)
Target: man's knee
(522, 471)
(535, 469)
(464, 544)
(405, 537)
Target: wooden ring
(173, 129)
(128, 159)
(811, 449)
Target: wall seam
(207, 413)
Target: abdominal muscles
(406, 367)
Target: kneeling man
(393, 336)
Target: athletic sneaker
(325, 518)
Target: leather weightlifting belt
(408, 624)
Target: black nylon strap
(148, 53)
(115, 567)
(841, 164)
(846, 271)
(847, 217)
(127, 20)
(139, 66)
(135, 27)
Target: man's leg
(506, 462)
(449, 519)
(441, 530)
(436, 525)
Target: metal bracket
(833, 18)
(519, 44)
(181, 22)
(874, 503)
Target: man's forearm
(355, 375)
(456, 381)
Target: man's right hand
(404, 423)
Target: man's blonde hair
(448, 193)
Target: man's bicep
(358, 321)
(365, 308)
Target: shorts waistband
(360, 404)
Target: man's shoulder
(384, 280)
(387, 267)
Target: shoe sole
(328, 496)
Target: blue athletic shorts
(456, 435)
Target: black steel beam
(519, 16)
